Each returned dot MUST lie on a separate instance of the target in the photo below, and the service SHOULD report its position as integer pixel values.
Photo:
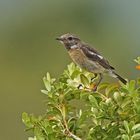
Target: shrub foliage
(78, 113)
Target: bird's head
(70, 41)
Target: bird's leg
(100, 79)
(95, 75)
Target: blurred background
(28, 48)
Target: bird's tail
(120, 78)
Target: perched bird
(87, 57)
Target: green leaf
(103, 86)
(125, 137)
(44, 91)
(108, 100)
(26, 120)
(137, 106)
(71, 68)
(75, 74)
(132, 84)
(47, 84)
(93, 100)
(32, 138)
(136, 136)
(39, 133)
(84, 80)
(48, 77)
(138, 81)
(137, 60)
(126, 102)
(122, 130)
(126, 125)
(136, 127)
(51, 137)
(110, 89)
(117, 96)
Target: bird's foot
(93, 87)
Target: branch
(74, 136)
(65, 125)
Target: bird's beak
(59, 39)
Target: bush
(110, 113)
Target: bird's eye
(70, 38)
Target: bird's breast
(82, 61)
(77, 56)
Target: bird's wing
(93, 55)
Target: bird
(87, 57)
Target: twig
(67, 131)
(74, 136)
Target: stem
(74, 136)
(67, 131)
